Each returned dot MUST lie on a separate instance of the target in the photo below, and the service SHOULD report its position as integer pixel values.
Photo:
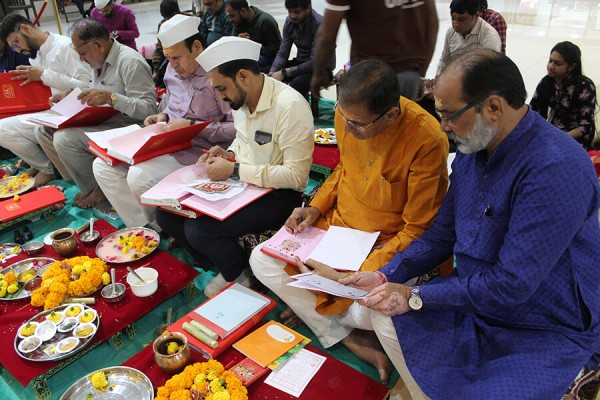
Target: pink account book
(286, 246)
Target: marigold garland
(89, 274)
(203, 381)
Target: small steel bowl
(33, 284)
(31, 273)
(33, 248)
(107, 293)
(9, 169)
(89, 239)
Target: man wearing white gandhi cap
(272, 148)
(118, 19)
(189, 98)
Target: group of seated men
(519, 315)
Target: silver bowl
(33, 248)
(9, 169)
(89, 239)
(107, 293)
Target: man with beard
(391, 179)
(189, 98)
(272, 149)
(122, 80)
(520, 315)
(119, 20)
(56, 64)
(300, 29)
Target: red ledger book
(30, 202)
(16, 99)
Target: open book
(69, 112)
(16, 99)
(172, 193)
(134, 145)
(341, 248)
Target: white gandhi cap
(228, 48)
(100, 4)
(177, 29)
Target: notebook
(268, 343)
(16, 99)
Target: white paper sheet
(315, 282)
(101, 138)
(296, 373)
(344, 248)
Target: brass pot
(173, 363)
(64, 242)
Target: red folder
(30, 202)
(210, 353)
(16, 99)
(89, 116)
(147, 143)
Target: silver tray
(39, 355)
(106, 250)
(128, 383)
(24, 265)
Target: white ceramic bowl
(150, 277)
(19, 334)
(58, 317)
(87, 316)
(30, 344)
(46, 330)
(81, 327)
(67, 344)
(68, 324)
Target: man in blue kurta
(520, 315)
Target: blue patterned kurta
(520, 315)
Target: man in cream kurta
(55, 64)
(121, 79)
(272, 149)
(189, 98)
(392, 178)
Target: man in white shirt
(121, 79)
(57, 65)
(468, 30)
(273, 149)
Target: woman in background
(566, 97)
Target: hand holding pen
(215, 151)
(301, 218)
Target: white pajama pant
(123, 185)
(19, 137)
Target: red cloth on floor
(173, 275)
(333, 380)
(326, 155)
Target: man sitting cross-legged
(189, 98)
(392, 178)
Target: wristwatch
(113, 99)
(236, 172)
(415, 302)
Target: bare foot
(93, 198)
(41, 179)
(366, 346)
(80, 198)
(31, 172)
(290, 319)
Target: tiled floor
(534, 26)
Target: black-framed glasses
(362, 126)
(458, 113)
(15, 42)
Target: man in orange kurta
(391, 178)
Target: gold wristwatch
(113, 99)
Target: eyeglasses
(15, 42)
(458, 113)
(362, 126)
(76, 47)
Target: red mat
(173, 275)
(334, 380)
(326, 155)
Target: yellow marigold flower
(224, 395)
(105, 278)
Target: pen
(302, 211)
(488, 211)
(222, 156)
